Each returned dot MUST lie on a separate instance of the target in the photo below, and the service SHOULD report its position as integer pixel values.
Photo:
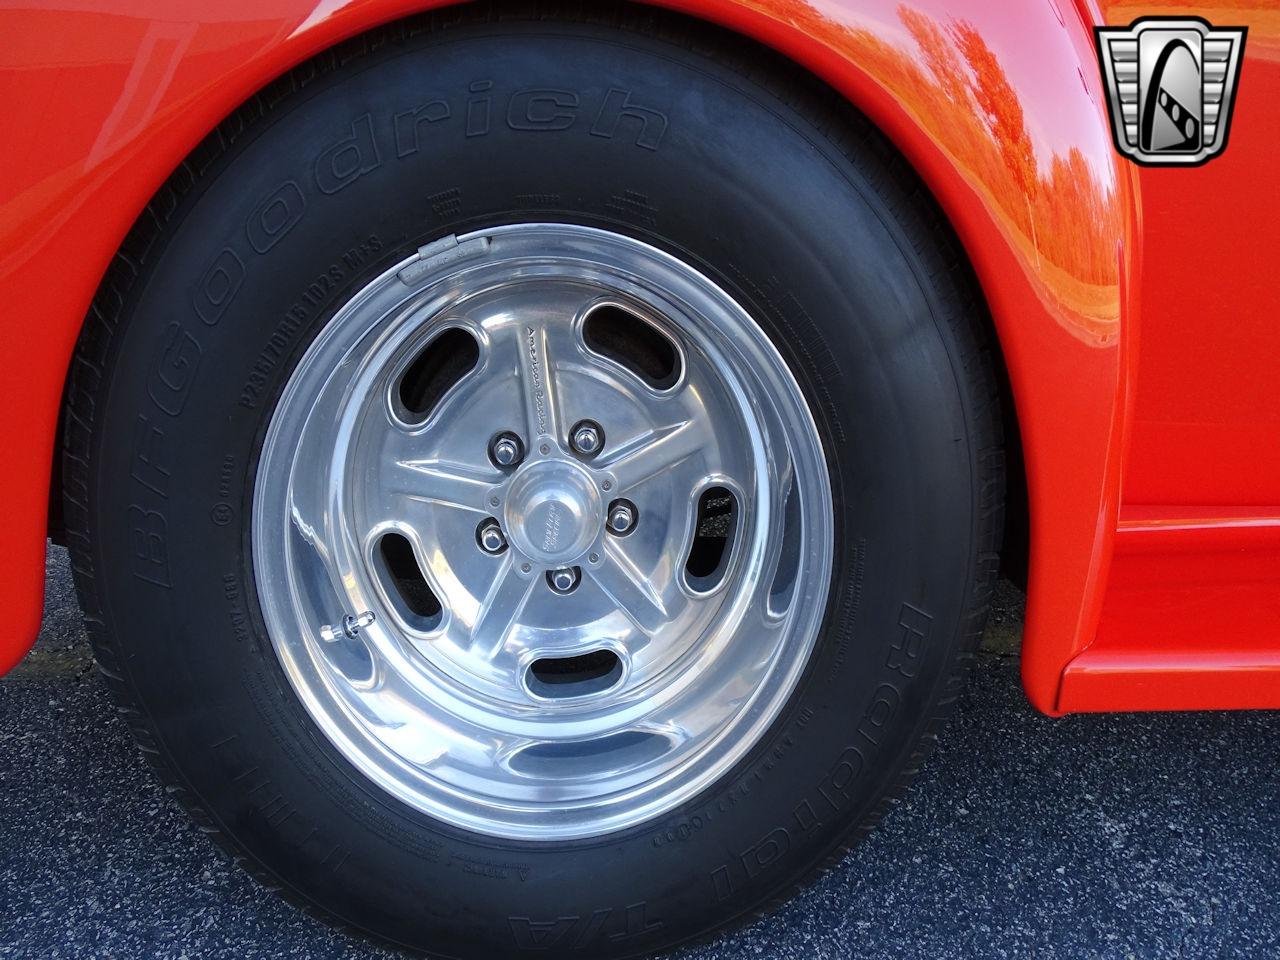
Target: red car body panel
(1129, 305)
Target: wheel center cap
(553, 511)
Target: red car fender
(104, 103)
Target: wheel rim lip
(321, 691)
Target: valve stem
(351, 626)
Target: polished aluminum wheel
(542, 531)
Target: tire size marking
(315, 298)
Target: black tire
(764, 180)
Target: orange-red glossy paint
(997, 106)
(1192, 615)
(1191, 612)
(1206, 417)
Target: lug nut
(586, 438)
(490, 537)
(622, 516)
(564, 579)
(506, 450)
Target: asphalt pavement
(1101, 836)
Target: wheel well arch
(780, 68)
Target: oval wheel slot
(634, 343)
(712, 538)
(407, 588)
(436, 370)
(559, 677)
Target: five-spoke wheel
(581, 506)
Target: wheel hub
(554, 511)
